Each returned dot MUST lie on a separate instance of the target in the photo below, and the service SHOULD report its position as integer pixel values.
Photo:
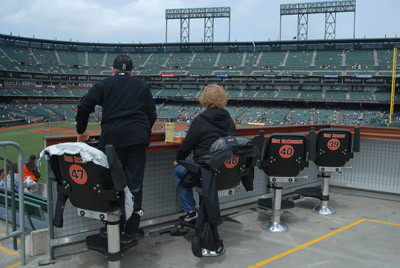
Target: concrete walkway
(365, 232)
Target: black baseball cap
(32, 157)
(123, 63)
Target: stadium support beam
(330, 25)
(208, 14)
(302, 26)
(330, 8)
(185, 30)
(208, 30)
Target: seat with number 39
(332, 150)
(333, 147)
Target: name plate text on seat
(92, 214)
(226, 192)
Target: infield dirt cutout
(158, 127)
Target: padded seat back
(284, 155)
(84, 183)
(230, 173)
(86, 177)
(230, 158)
(333, 147)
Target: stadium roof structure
(330, 8)
(208, 13)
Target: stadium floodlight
(206, 13)
(330, 8)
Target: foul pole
(393, 85)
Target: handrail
(12, 181)
(21, 232)
(157, 142)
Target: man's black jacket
(128, 110)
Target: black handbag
(190, 180)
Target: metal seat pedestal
(323, 208)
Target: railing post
(20, 233)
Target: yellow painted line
(9, 252)
(384, 222)
(306, 244)
(14, 265)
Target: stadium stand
(360, 59)
(47, 60)
(298, 117)
(270, 83)
(271, 60)
(168, 111)
(230, 61)
(383, 96)
(328, 59)
(336, 94)
(288, 94)
(170, 92)
(299, 59)
(324, 116)
(360, 96)
(189, 91)
(178, 60)
(72, 62)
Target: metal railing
(21, 232)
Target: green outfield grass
(31, 143)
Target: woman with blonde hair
(212, 124)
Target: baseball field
(30, 137)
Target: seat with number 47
(95, 183)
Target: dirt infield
(158, 127)
(21, 126)
(62, 131)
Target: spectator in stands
(31, 171)
(129, 113)
(29, 184)
(207, 127)
(1, 175)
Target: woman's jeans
(186, 195)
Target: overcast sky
(128, 21)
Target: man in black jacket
(215, 122)
(128, 115)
